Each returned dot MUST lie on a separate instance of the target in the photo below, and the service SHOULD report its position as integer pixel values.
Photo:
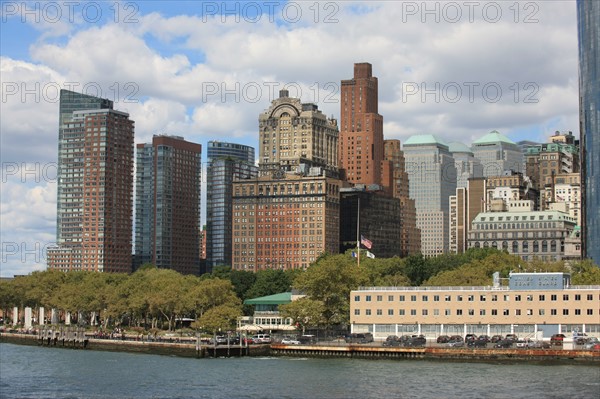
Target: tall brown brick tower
(361, 131)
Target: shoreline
(547, 356)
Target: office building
(497, 153)
(432, 180)
(467, 166)
(588, 15)
(95, 187)
(228, 162)
(168, 177)
(535, 305)
(361, 130)
(410, 242)
(465, 205)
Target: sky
(206, 70)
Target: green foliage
(304, 312)
(585, 272)
(269, 282)
(330, 281)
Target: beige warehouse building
(534, 305)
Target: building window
(470, 298)
(436, 298)
(542, 297)
(542, 312)
(401, 298)
(459, 312)
(390, 298)
(424, 298)
(565, 312)
(565, 297)
(577, 297)
(447, 298)
(356, 312)
(505, 312)
(481, 312)
(424, 312)
(590, 297)
(517, 312)
(494, 312)
(368, 312)
(447, 312)
(390, 312)
(506, 298)
(494, 298)
(590, 312)
(530, 298)
(368, 298)
(553, 297)
(379, 312)
(482, 298)
(401, 312)
(517, 298)
(379, 298)
(459, 298)
(413, 312)
(577, 312)
(553, 312)
(471, 312)
(413, 298)
(357, 298)
(436, 312)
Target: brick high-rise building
(290, 214)
(361, 128)
(168, 176)
(95, 186)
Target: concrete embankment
(557, 356)
(154, 348)
(439, 353)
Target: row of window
(472, 312)
(473, 297)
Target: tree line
(157, 298)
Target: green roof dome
(424, 139)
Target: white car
(290, 341)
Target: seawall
(555, 356)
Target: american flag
(365, 242)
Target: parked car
(359, 338)
(307, 339)
(580, 340)
(262, 339)
(523, 343)
(391, 340)
(591, 342)
(504, 343)
(442, 339)
(483, 338)
(470, 337)
(416, 341)
(456, 341)
(496, 338)
(512, 337)
(290, 341)
(477, 343)
(557, 339)
(540, 345)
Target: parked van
(359, 338)
(262, 339)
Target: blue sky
(205, 70)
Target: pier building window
(542, 312)
(413, 298)
(379, 312)
(590, 297)
(590, 312)
(542, 297)
(578, 297)
(390, 312)
(517, 312)
(459, 298)
(565, 312)
(379, 298)
(553, 297)
(447, 312)
(401, 312)
(368, 298)
(436, 312)
(413, 312)
(494, 298)
(424, 312)
(424, 298)
(471, 298)
(565, 297)
(368, 312)
(447, 298)
(436, 298)
(553, 312)
(356, 312)
(459, 312)
(402, 299)
(357, 298)
(471, 312)
(577, 312)
(517, 297)
(481, 312)
(505, 312)
(390, 298)
(494, 312)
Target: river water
(41, 372)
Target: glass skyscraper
(226, 162)
(588, 21)
(167, 216)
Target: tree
(330, 281)
(304, 312)
(585, 273)
(219, 318)
(269, 282)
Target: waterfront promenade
(323, 350)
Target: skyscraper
(168, 176)
(497, 153)
(467, 166)
(228, 162)
(289, 215)
(361, 130)
(95, 177)
(432, 180)
(588, 15)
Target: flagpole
(358, 232)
